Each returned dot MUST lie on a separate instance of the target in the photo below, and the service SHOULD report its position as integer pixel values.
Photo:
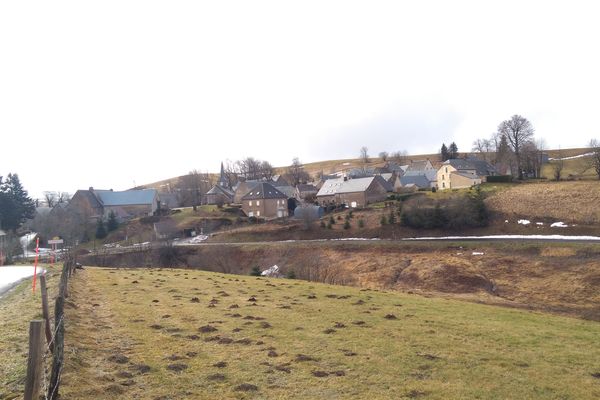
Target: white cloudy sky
(110, 93)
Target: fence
(40, 381)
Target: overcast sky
(110, 93)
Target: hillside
(189, 334)
(571, 202)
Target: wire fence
(46, 357)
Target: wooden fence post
(45, 312)
(59, 343)
(34, 360)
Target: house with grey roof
(353, 192)
(463, 173)
(219, 195)
(127, 204)
(265, 201)
(423, 179)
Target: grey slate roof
(264, 191)
(127, 197)
(430, 174)
(216, 189)
(302, 187)
(482, 168)
(333, 186)
(420, 181)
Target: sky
(114, 94)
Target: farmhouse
(265, 201)
(126, 204)
(304, 191)
(219, 195)
(353, 192)
(463, 173)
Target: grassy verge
(193, 334)
(17, 308)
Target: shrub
(392, 218)
(383, 220)
(323, 225)
(499, 179)
(361, 223)
(347, 225)
(339, 217)
(290, 274)
(255, 271)
(331, 220)
(252, 220)
(329, 225)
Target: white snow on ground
(523, 222)
(477, 253)
(191, 241)
(539, 223)
(559, 225)
(11, 275)
(572, 157)
(537, 237)
(272, 272)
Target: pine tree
(100, 229)
(112, 224)
(392, 218)
(453, 151)
(480, 210)
(444, 152)
(15, 205)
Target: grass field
(17, 308)
(174, 334)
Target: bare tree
(192, 188)
(50, 198)
(399, 156)
(483, 147)
(517, 131)
(557, 166)
(383, 155)
(595, 159)
(296, 173)
(364, 154)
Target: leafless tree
(252, 169)
(364, 154)
(557, 166)
(296, 173)
(483, 147)
(400, 156)
(192, 188)
(50, 198)
(517, 131)
(383, 155)
(595, 159)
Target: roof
(264, 191)
(126, 198)
(430, 174)
(482, 168)
(93, 201)
(420, 180)
(333, 186)
(216, 189)
(302, 187)
(288, 190)
(465, 175)
(419, 165)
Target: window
(258, 202)
(446, 169)
(250, 203)
(250, 214)
(258, 213)
(443, 184)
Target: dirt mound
(448, 278)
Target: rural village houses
(95, 204)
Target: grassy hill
(189, 334)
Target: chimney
(345, 178)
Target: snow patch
(12, 275)
(477, 253)
(559, 225)
(572, 157)
(523, 222)
(539, 223)
(508, 237)
(272, 272)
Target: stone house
(265, 201)
(463, 173)
(353, 192)
(127, 204)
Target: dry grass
(161, 334)
(17, 308)
(571, 202)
